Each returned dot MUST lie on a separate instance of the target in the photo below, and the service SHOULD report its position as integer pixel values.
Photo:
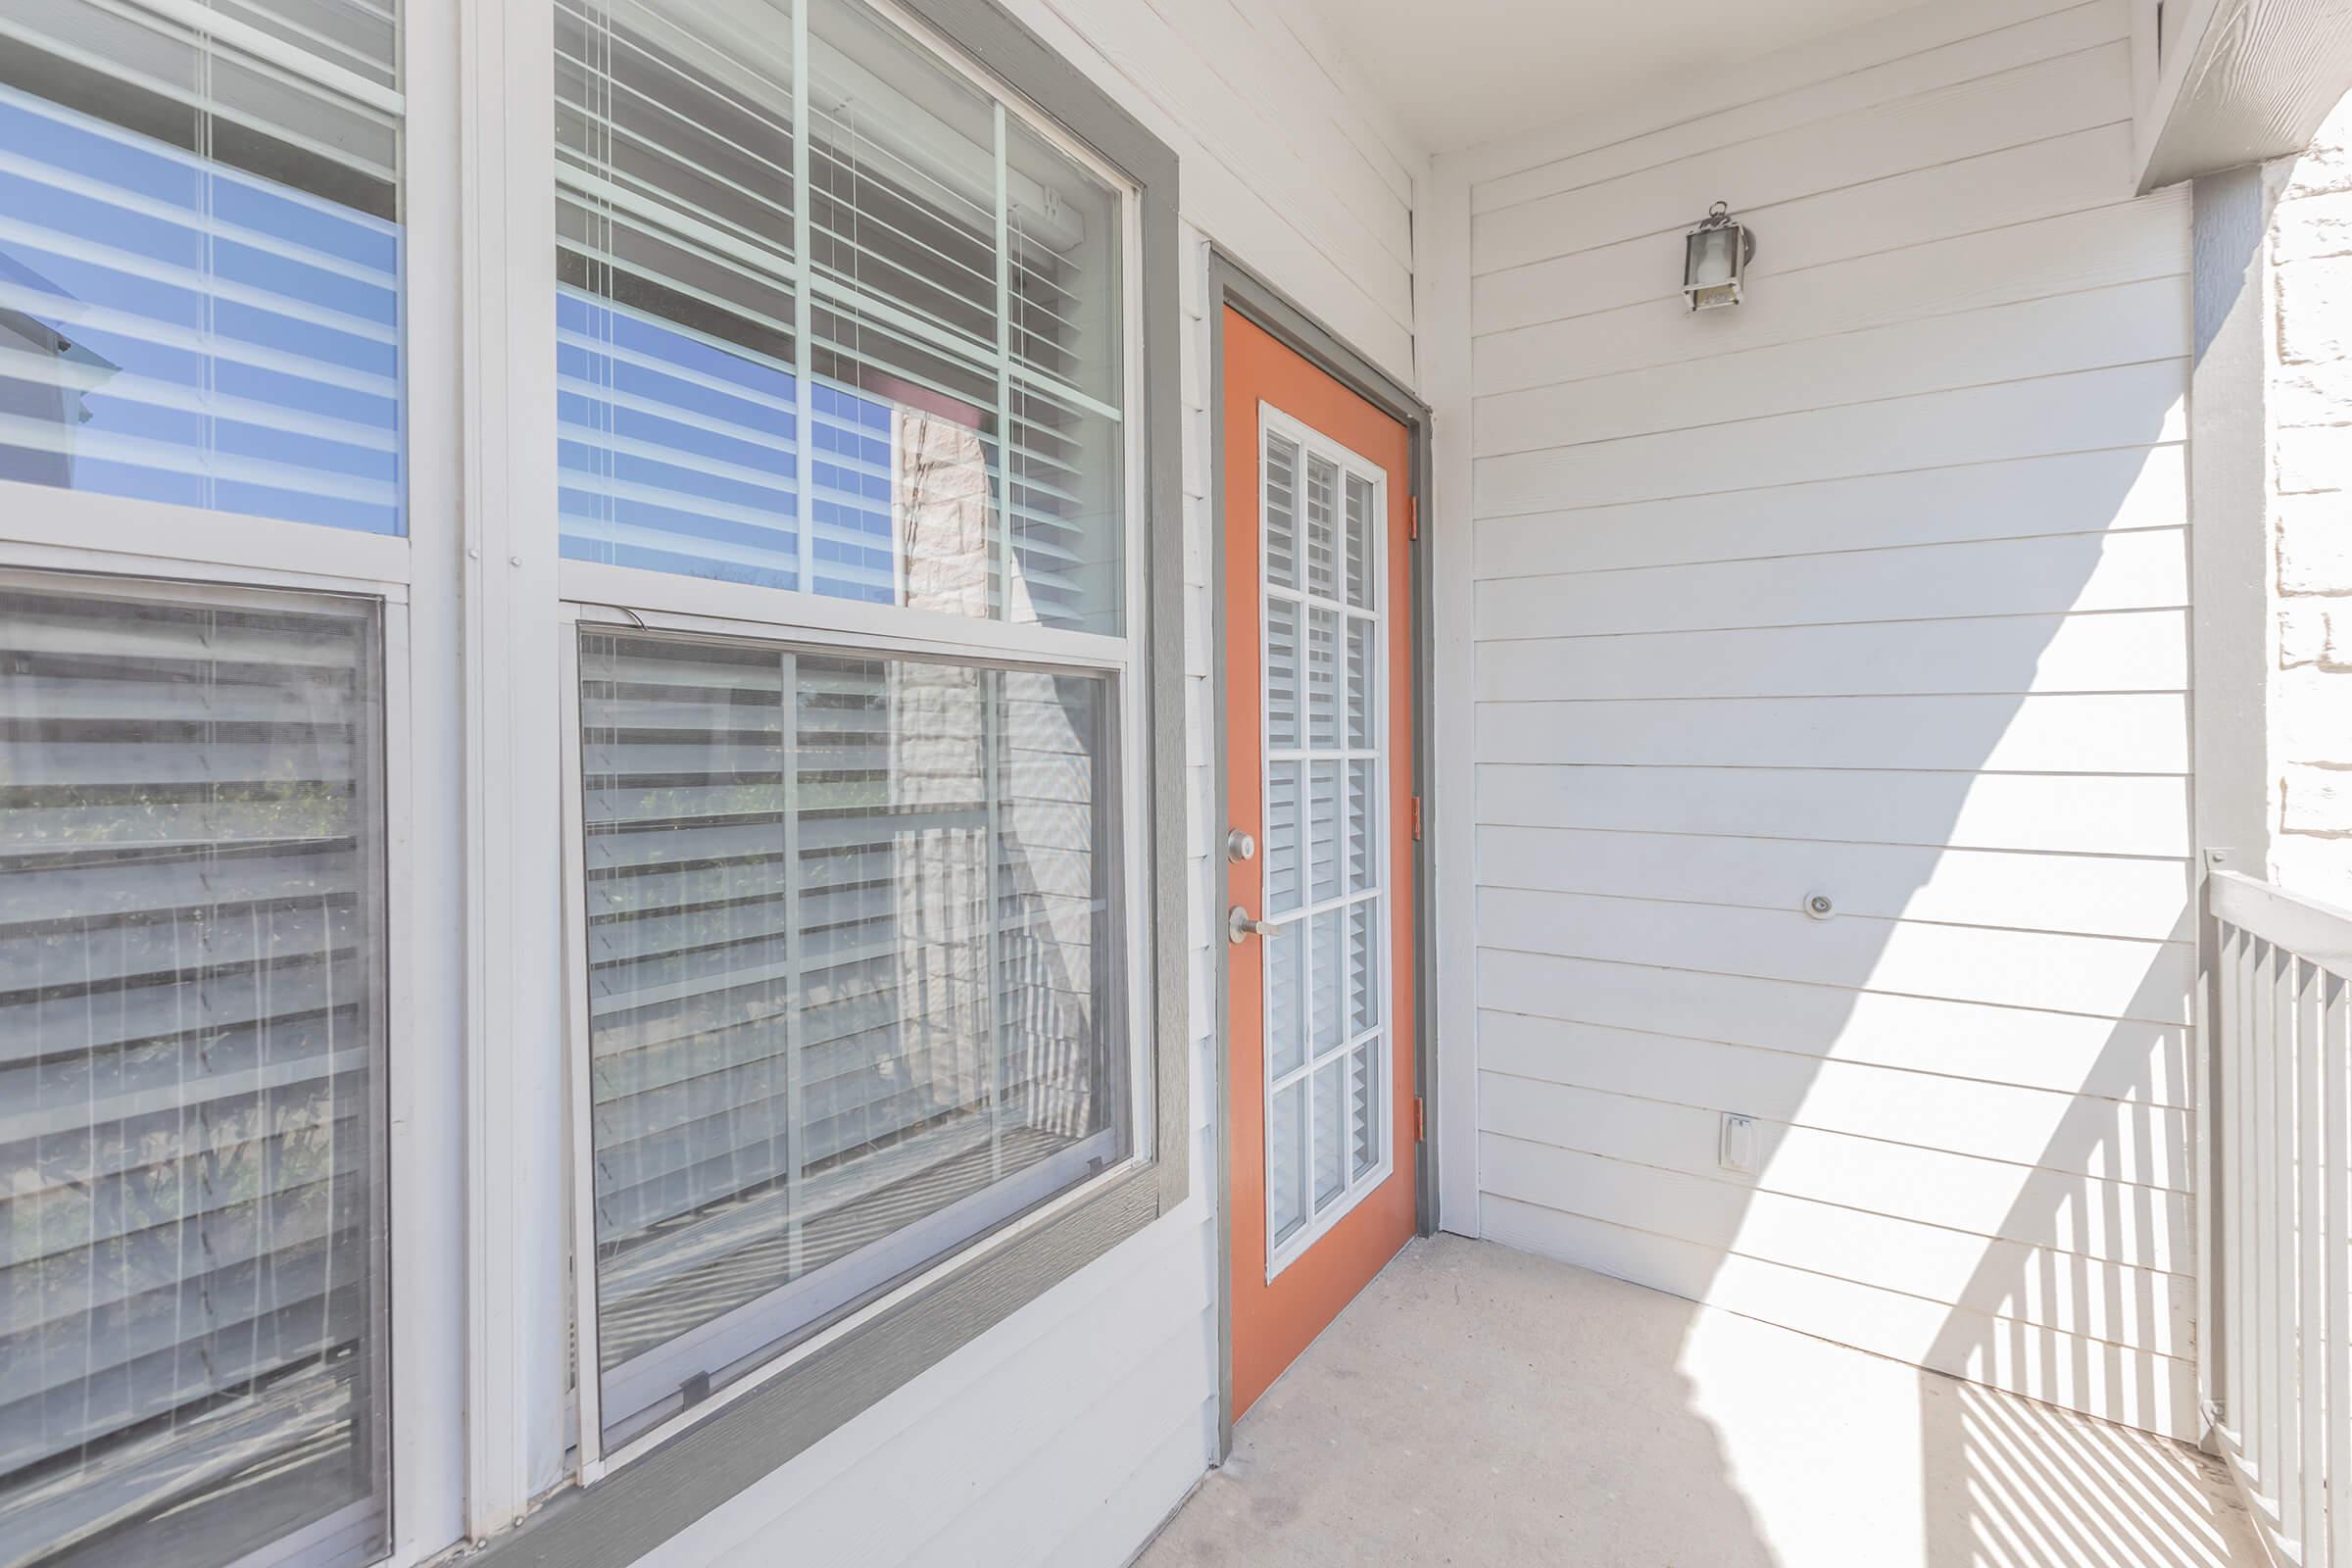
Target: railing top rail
(2321, 933)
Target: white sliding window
(203, 579)
(848, 981)
(843, 392)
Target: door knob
(1239, 928)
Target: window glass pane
(1361, 536)
(902, 165)
(1360, 682)
(851, 983)
(1327, 963)
(1324, 808)
(1286, 1161)
(1363, 966)
(1286, 998)
(1064, 497)
(1363, 848)
(200, 273)
(1286, 839)
(1282, 513)
(1062, 229)
(906, 480)
(1322, 545)
(863, 395)
(1331, 1148)
(191, 1042)
(675, 316)
(1364, 1107)
(1281, 675)
(1322, 679)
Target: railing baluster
(2336, 1241)
(2229, 1178)
(2285, 1482)
(2335, 1055)
(2254, 1432)
(2311, 1444)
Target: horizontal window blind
(200, 254)
(849, 970)
(191, 1036)
(937, 313)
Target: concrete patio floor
(1477, 1405)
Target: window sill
(619, 1519)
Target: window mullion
(804, 354)
(1004, 436)
(991, 687)
(795, 1071)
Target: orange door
(1319, 1049)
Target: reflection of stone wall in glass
(1054, 948)
(944, 514)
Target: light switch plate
(1737, 1149)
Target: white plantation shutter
(816, 1056)
(200, 254)
(191, 1039)
(904, 385)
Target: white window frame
(630, 598)
(1310, 442)
(177, 552)
(765, 1319)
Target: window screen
(200, 254)
(832, 319)
(191, 1044)
(850, 982)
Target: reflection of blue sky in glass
(177, 331)
(678, 453)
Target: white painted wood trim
(1442, 303)
(516, 1399)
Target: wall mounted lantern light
(1715, 257)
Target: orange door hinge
(1412, 517)
(1416, 819)
(1420, 1120)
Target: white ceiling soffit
(2240, 81)
(1457, 72)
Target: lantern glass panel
(1710, 259)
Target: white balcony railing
(2276, 1125)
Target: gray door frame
(1230, 283)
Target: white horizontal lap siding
(1876, 587)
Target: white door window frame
(1355, 1186)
